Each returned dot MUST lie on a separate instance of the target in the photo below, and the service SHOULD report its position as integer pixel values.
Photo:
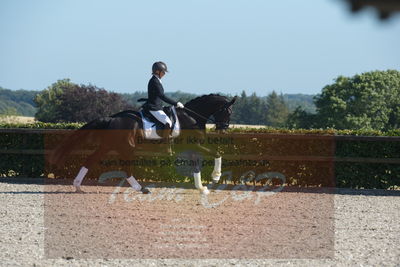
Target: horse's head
(222, 116)
(214, 107)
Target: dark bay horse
(121, 132)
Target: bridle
(221, 125)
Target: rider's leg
(164, 119)
(161, 117)
(166, 138)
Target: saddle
(152, 128)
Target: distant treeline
(18, 102)
(367, 101)
(248, 108)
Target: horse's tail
(59, 154)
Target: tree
(240, 109)
(20, 101)
(277, 110)
(48, 101)
(68, 102)
(254, 112)
(301, 119)
(370, 100)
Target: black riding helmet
(159, 65)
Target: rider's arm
(160, 91)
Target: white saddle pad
(150, 130)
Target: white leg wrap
(135, 185)
(216, 174)
(197, 180)
(197, 183)
(82, 173)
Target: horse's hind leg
(79, 178)
(127, 154)
(136, 186)
(89, 163)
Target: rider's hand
(180, 105)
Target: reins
(201, 116)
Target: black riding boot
(166, 139)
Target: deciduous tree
(370, 100)
(65, 101)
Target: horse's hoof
(215, 176)
(213, 186)
(79, 190)
(205, 191)
(214, 182)
(144, 190)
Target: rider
(156, 95)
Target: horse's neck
(206, 109)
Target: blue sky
(289, 46)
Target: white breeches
(161, 117)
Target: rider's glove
(180, 105)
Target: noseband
(222, 125)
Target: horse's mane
(196, 100)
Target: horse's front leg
(197, 175)
(216, 173)
(197, 183)
(126, 154)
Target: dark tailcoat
(156, 95)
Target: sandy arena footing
(47, 225)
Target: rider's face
(161, 74)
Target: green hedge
(40, 125)
(297, 172)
